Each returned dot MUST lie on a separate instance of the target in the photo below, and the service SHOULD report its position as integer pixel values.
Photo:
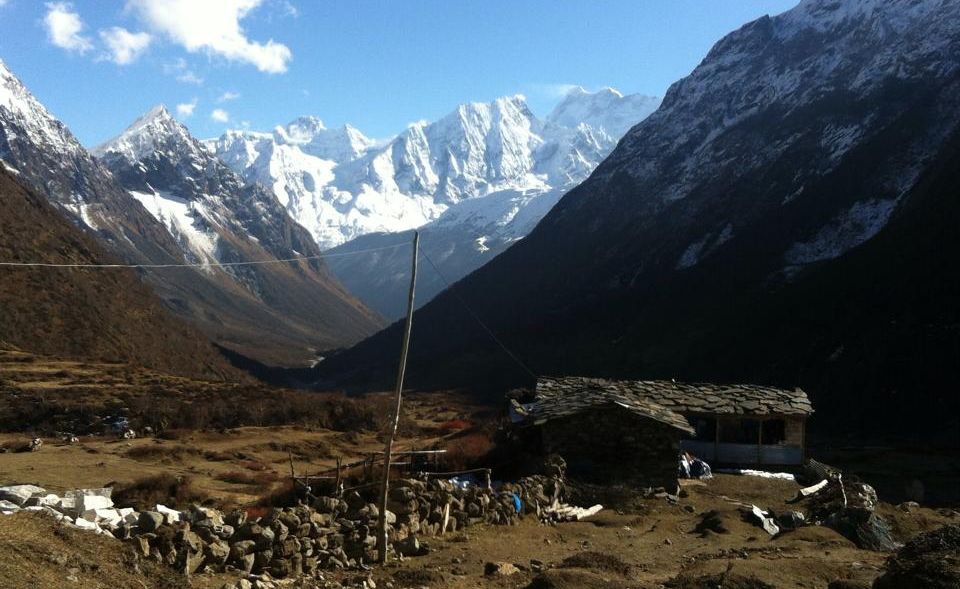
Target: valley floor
(654, 545)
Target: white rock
(107, 516)
(171, 516)
(19, 494)
(86, 525)
(49, 500)
(92, 502)
(8, 507)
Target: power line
(204, 265)
(476, 317)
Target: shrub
(145, 493)
(239, 477)
(285, 495)
(161, 452)
(15, 447)
(467, 451)
(454, 425)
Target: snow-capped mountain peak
(314, 138)
(340, 184)
(19, 107)
(143, 137)
(606, 110)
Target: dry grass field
(209, 444)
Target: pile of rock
(849, 507)
(929, 561)
(329, 533)
(88, 509)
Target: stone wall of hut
(615, 445)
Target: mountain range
(784, 217)
(474, 182)
(159, 197)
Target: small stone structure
(605, 435)
(734, 424)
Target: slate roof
(594, 394)
(683, 397)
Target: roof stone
(564, 401)
(679, 397)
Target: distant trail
(203, 265)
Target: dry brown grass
(468, 450)
(49, 395)
(170, 490)
(239, 477)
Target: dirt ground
(660, 544)
(212, 459)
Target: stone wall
(328, 533)
(613, 445)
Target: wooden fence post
(392, 431)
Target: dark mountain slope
(101, 314)
(791, 147)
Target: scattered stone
(849, 584)
(929, 561)
(410, 546)
(499, 569)
(764, 519)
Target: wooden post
(392, 431)
(716, 443)
(339, 482)
(760, 440)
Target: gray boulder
(149, 521)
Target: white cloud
(124, 47)
(555, 91)
(188, 77)
(228, 96)
(220, 116)
(213, 26)
(185, 110)
(182, 71)
(64, 27)
(3, 3)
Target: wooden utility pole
(392, 431)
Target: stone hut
(605, 435)
(734, 424)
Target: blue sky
(377, 64)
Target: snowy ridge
(340, 184)
(191, 192)
(776, 72)
(24, 119)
